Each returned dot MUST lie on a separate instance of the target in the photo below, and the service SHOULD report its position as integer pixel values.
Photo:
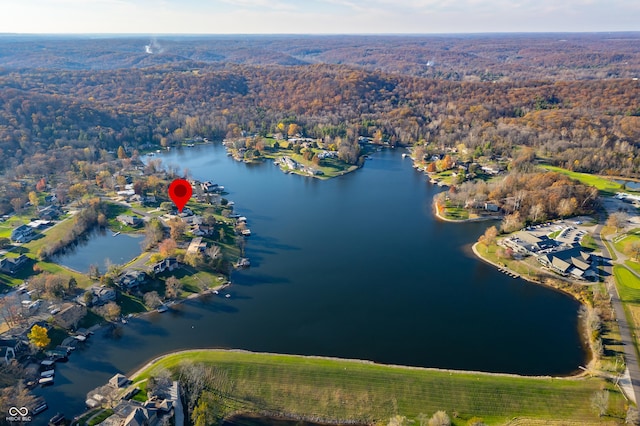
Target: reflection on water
(100, 248)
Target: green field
(628, 284)
(630, 237)
(606, 187)
(367, 392)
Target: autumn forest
(571, 99)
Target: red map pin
(180, 192)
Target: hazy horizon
(317, 17)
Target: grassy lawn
(621, 242)
(629, 284)
(367, 392)
(554, 234)
(54, 233)
(635, 266)
(588, 242)
(528, 267)
(129, 304)
(629, 290)
(455, 213)
(606, 187)
(14, 221)
(100, 417)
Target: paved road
(625, 331)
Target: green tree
(39, 337)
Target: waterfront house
(196, 246)
(9, 348)
(129, 220)
(11, 265)
(118, 381)
(22, 234)
(202, 230)
(131, 279)
(49, 212)
(102, 295)
(168, 264)
(70, 315)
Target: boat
(162, 308)
(48, 373)
(227, 295)
(243, 262)
(123, 320)
(216, 292)
(39, 406)
(116, 234)
(46, 381)
(80, 338)
(47, 363)
(405, 155)
(246, 232)
(57, 419)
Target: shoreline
(138, 371)
(475, 219)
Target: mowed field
(606, 187)
(347, 390)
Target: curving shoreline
(580, 375)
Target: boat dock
(508, 272)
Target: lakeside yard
(607, 187)
(365, 392)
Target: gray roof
(527, 237)
(560, 264)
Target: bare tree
(159, 383)
(617, 220)
(537, 211)
(440, 418)
(633, 417)
(152, 300)
(398, 420)
(489, 236)
(172, 287)
(633, 250)
(600, 402)
(214, 252)
(194, 378)
(110, 311)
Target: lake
(102, 249)
(630, 184)
(353, 267)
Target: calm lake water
(630, 184)
(353, 267)
(100, 248)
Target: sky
(316, 16)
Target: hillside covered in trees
(571, 98)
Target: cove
(352, 267)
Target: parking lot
(568, 231)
